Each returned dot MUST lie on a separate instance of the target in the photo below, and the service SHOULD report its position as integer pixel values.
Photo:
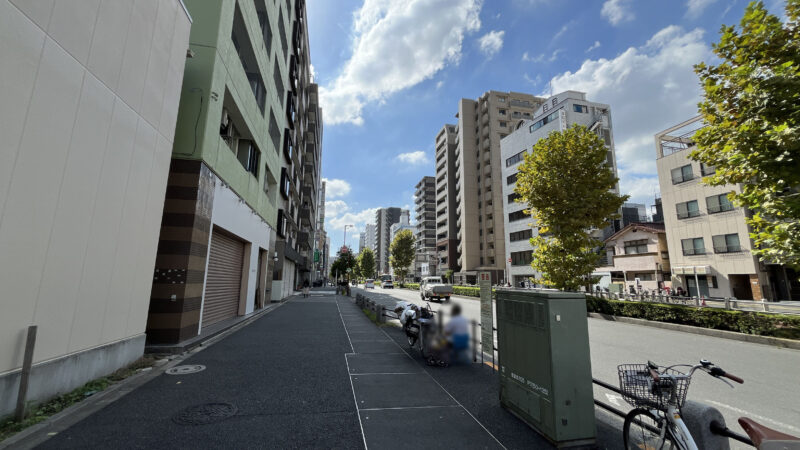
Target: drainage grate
(205, 413)
(185, 370)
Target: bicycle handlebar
(733, 377)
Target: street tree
(344, 260)
(752, 133)
(402, 253)
(566, 183)
(366, 263)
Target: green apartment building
(233, 166)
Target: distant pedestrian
(305, 289)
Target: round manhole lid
(184, 370)
(205, 413)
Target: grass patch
(9, 426)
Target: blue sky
(392, 71)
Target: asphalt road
(769, 394)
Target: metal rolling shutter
(224, 278)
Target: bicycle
(658, 393)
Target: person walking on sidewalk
(305, 289)
(457, 333)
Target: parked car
(433, 288)
(369, 284)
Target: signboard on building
(487, 335)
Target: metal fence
(731, 304)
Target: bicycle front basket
(641, 390)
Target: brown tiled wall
(182, 253)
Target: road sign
(316, 255)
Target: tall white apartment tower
(557, 113)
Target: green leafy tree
(344, 260)
(402, 253)
(448, 276)
(752, 133)
(566, 183)
(366, 263)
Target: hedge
(410, 286)
(775, 325)
(465, 291)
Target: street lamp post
(344, 241)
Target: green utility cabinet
(545, 366)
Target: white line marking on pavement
(352, 388)
(409, 407)
(756, 416)
(386, 373)
(447, 392)
(613, 399)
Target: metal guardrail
(730, 304)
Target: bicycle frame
(673, 423)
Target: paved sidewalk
(314, 373)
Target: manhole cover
(184, 370)
(205, 413)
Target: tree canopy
(567, 184)
(366, 263)
(402, 253)
(752, 133)
(344, 260)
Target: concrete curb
(42, 431)
(754, 339)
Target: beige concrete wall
(705, 225)
(90, 94)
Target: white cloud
(641, 189)
(533, 81)
(396, 45)
(334, 208)
(695, 8)
(312, 72)
(529, 58)
(336, 188)
(561, 32)
(357, 219)
(649, 89)
(542, 57)
(617, 11)
(594, 46)
(491, 42)
(439, 84)
(414, 158)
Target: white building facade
(558, 113)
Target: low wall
(61, 375)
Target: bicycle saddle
(766, 438)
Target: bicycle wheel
(423, 342)
(642, 432)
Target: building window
(707, 170)
(644, 276)
(517, 215)
(266, 29)
(718, 203)
(285, 183)
(274, 132)
(682, 174)
(513, 197)
(503, 124)
(278, 80)
(282, 33)
(520, 235)
(693, 246)
(544, 121)
(635, 247)
(521, 258)
(502, 112)
(515, 159)
(247, 153)
(281, 225)
(580, 108)
(501, 99)
(726, 243)
(511, 179)
(688, 209)
(714, 284)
